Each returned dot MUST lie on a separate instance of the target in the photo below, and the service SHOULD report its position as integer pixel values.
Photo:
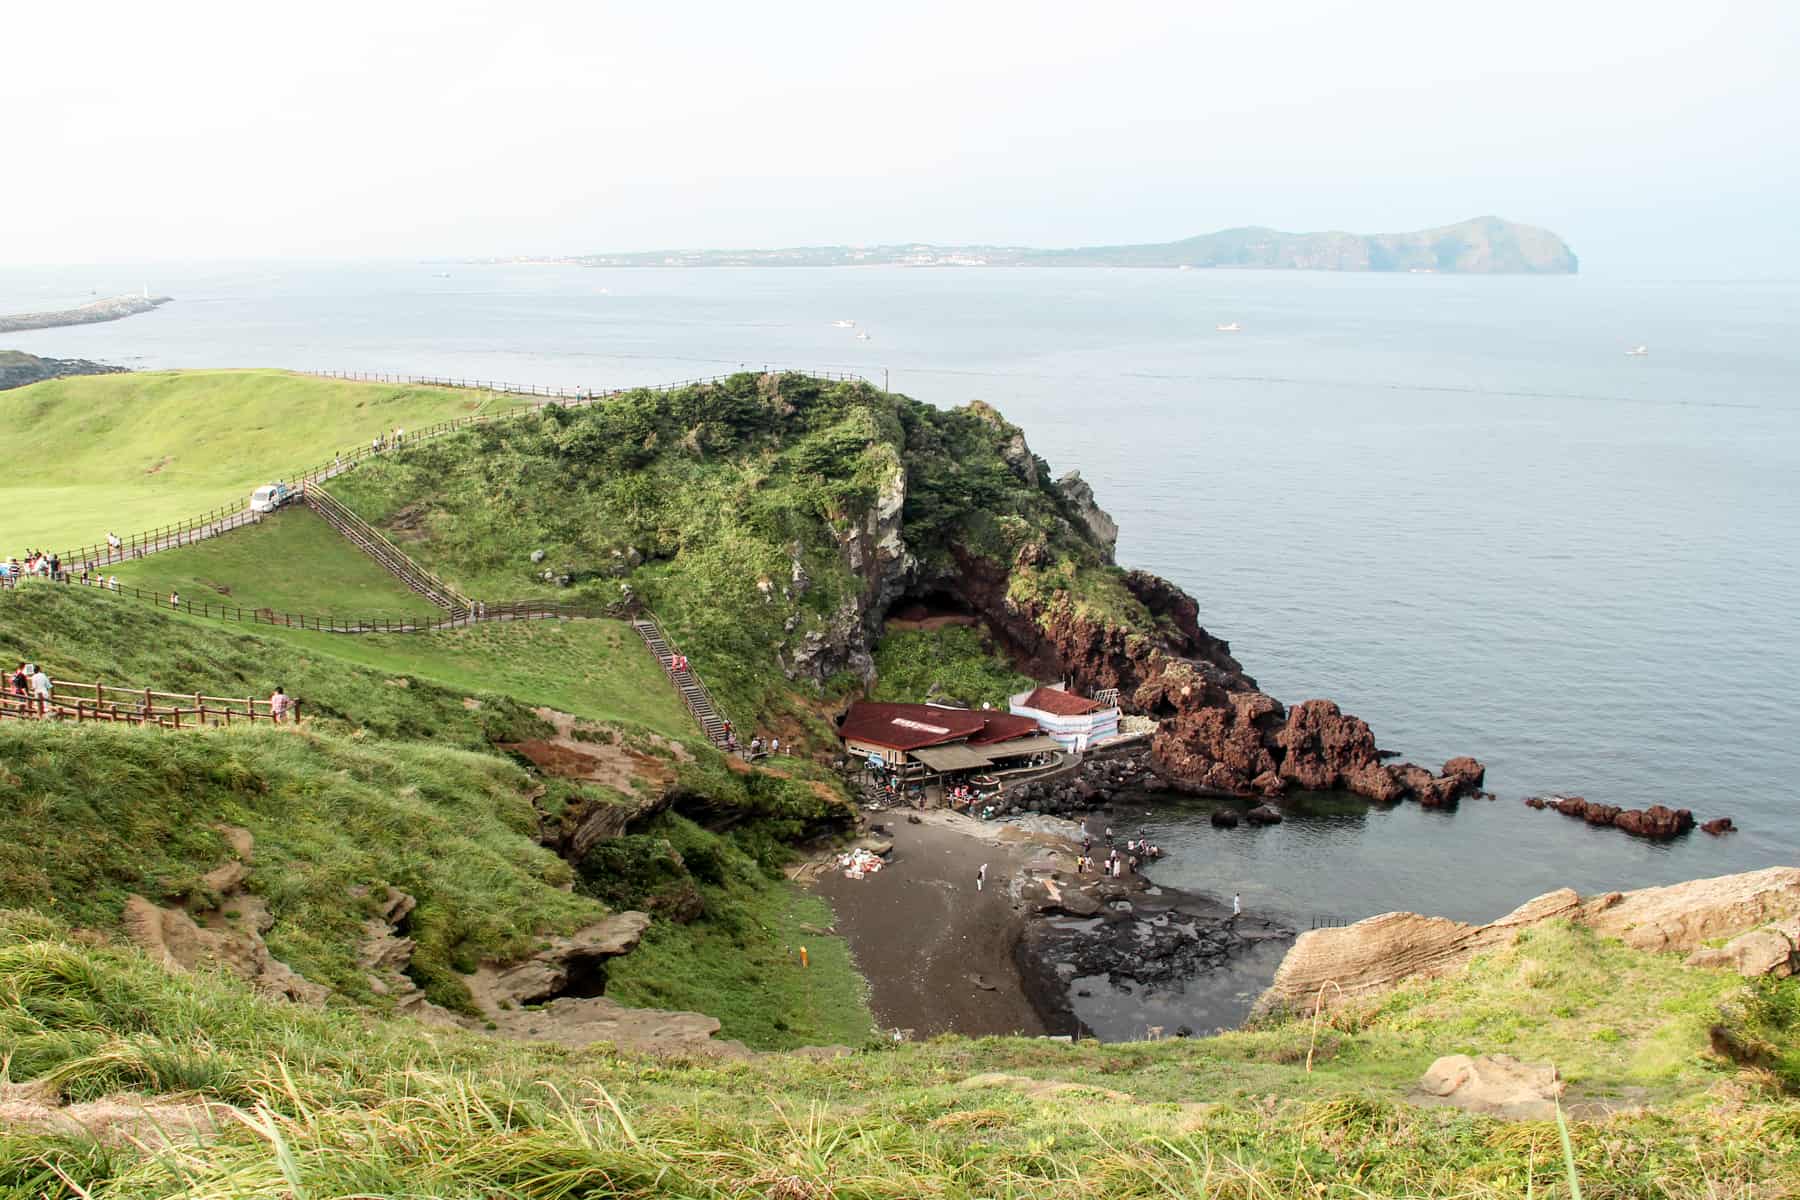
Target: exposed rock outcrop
(18, 369)
(1379, 952)
(220, 927)
(1656, 822)
(1497, 1085)
(1766, 951)
(1080, 497)
(567, 966)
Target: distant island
(87, 314)
(1481, 246)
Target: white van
(268, 497)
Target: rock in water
(1263, 814)
(1224, 818)
(1498, 1085)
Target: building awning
(1031, 745)
(954, 757)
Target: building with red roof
(1076, 722)
(938, 738)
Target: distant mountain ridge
(1479, 246)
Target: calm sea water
(1455, 505)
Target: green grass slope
(334, 1105)
(290, 562)
(89, 815)
(130, 452)
(596, 668)
(85, 634)
(728, 508)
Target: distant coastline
(112, 309)
(1480, 246)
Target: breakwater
(112, 309)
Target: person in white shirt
(40, 690)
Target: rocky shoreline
(18, 369)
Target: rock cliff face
(1219, 732)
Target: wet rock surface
(1121, 958)
(1656, 822)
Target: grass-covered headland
(521, 782)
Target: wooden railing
(377, 545)
(99, 701)
(509, 610)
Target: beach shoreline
(1037, 949)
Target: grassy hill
(290, 562)
(129, 452)
(697, 500)
(750, 514)
(335, 1105)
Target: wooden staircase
(376, 545)
(693, 691)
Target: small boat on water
(863, 336)
(843, 324)
(1231, 327)
(1637, 352)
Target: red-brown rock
(1655, 821)
(1719, 825)
(1376, 782)
(1536, 802)
(1263, 814)
(1321, 745)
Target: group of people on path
(26, 682)
(40, 565)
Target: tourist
(19, 682)
(1237, 906)
(112, 541)
(278, 705)
(40, 690)
(1134, 864)
(774, 746)
(174, 599)
(112, 582)
(981, 877)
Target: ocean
(1455, 505)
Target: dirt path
(938, 954)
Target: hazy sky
(1657, 137)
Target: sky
(1658, 138)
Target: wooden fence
(511, 610)
(112, 703)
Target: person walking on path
(175, 600)
(981, 877)
(40, 691)
(1237, 906)
(278, 705)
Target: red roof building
(897, 733)
(1061, 703)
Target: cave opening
(585, 978)
(933, 609)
